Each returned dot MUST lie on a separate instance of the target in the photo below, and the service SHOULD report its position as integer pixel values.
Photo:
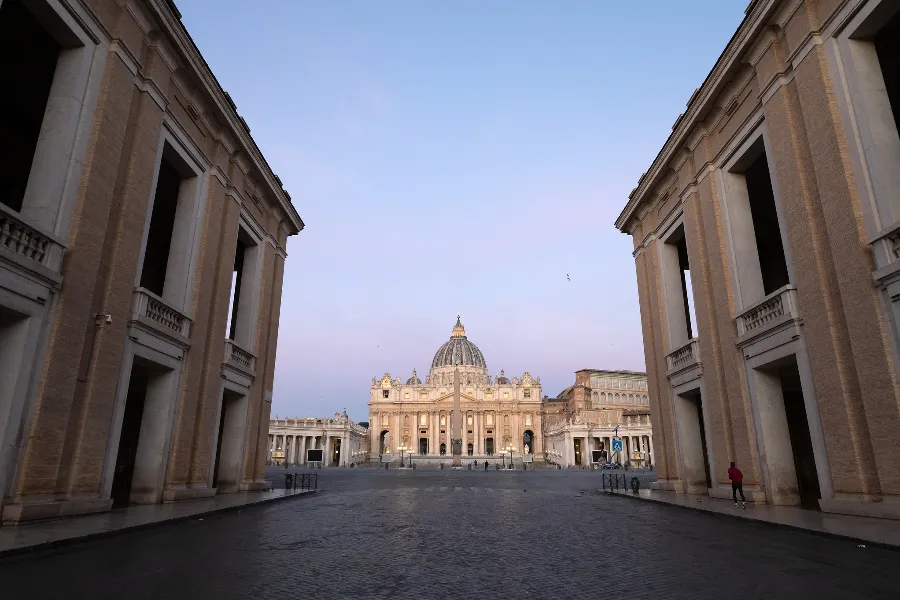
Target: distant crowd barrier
(301, 481)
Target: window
(406, 394)
(423, 395)
(385, 393)
(506, 394)
(469, 420)
(489, 419)
(443, 420)
(527, 420)
(527, 393)
(30, 76)
(423, 419)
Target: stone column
(476, 432)
(326, 450)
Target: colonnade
(295, 447)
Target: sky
(456, 158)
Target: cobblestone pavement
(458, 534)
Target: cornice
(730, 59)
(185, 49)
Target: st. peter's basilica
(499, 413)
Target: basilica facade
(499, 414)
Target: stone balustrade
(683, 357)
(239, 358)
(26, 241)
(148, 306)
(770, 310)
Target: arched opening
(383, 442)
(336, 452)
(470, 449)
(528, 442)
(443, 449)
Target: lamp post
(511, 451)
(402, 448)
(503, 456)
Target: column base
(36, 509)
(252, 485)
(671, 485)
(175, 493)
(861, 505)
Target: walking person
(737, 485)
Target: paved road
(459, 534)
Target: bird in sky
(567, 277)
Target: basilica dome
(458, 351)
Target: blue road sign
(617, 445)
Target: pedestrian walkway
(882, 532)
(29, 537)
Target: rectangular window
(31, 54)
(385, 393)
(406, 394)
(469, 420)
(527, 393)
(506, 394)
(423, 419)
(490, 419)
(443, 420)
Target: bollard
(385, 466)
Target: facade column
(477, 433)
(326, 451)
(435, 431)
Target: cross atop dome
(458, 329)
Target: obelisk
(456, 421)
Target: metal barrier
(301, 481)
(614, 481)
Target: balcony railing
(148, 306)
(780, 303)
(239, 358)
(684, 356)
(26, 241)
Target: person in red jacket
(737, 484)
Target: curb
(827, 534)
(55, 544)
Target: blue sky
(457, 158)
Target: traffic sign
(617, 445)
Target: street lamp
(511, 451)
(402, 448)
(503, 456)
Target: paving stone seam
(55, 544)
(742, 517)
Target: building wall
(600, 406)
(800, 79)
(138, 81)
